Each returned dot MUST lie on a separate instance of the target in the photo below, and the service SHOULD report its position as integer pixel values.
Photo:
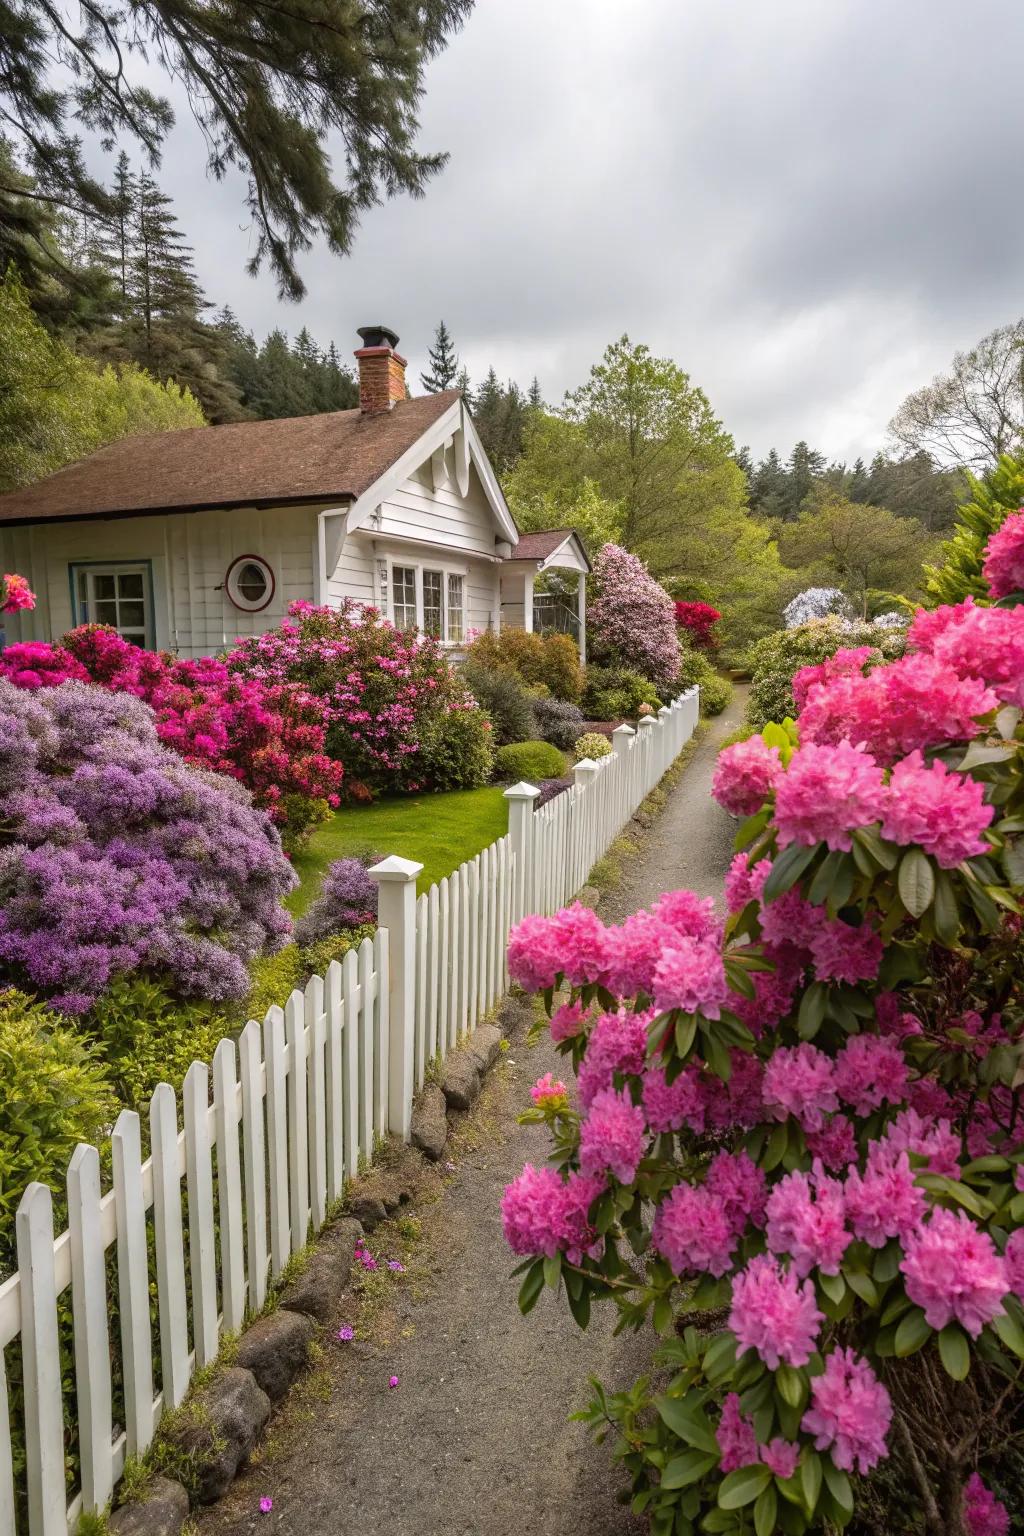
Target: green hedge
(529, 760)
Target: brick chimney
(381, 370)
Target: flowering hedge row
(396, 709)
(270, 737)
(798, 1148)
(116, 857)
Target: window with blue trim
(118, 595)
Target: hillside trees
(864, 548)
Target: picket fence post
(396, 911)
(521, 798)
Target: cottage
(187, 540)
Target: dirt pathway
(475, 1439)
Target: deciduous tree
(975, 412)
(861, 546)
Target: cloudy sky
(808, 204)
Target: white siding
(353, 576)
(443, 517)
(190, 554)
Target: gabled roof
(339, 455)
(542, 545)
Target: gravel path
(475, 1440)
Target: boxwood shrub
(529, 760)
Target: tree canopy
(975, 412)
(269, 85)
(864, 548)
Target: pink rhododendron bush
(797, 1146)
(631, 619)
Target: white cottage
(187, 540)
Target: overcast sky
(808, 204)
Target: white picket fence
(238, 1185)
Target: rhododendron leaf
(938, 1184)
(765, 1512)
(882, 852)
(1013, 861)
(1007, 721)
(812, 1010)
(885, 1343)
(552, 1270)
(730, 1031)
(946, 912)
(913, 1332)
(531, 1287)
(787, 869)
(978, 755)
(742, 1487)
(686, 1033)
(760, 1395)
(579, 1306)
(1011, 600)
(688, 1468)
(810, 1480)
(689, 1421)
(916, 882)
(720, 1358)
(895, 1309)
(838, 1484)
(1017, 1209)
(955, 1353)
(1010, 1329)
(863, 1286)
(738, 979)
(751, 829)
(778, 1141)
(981, 1165)
(834, 1286)
(792, 1386)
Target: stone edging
(221, 1422)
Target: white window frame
(88, 570)
(446, 569)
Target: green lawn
(440, 831)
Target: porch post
(528, 581)
(581, 611)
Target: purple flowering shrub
(631, 622)
(116, 857)
(347, 899)
(797, 1147)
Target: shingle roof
(537, 546)
(300, 458)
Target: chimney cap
(378, 336)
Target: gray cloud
(808, 205)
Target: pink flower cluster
(943, 812)
(775, 1313)
(850, 662)
(697, 1226)
(613, 1137)
(632, 619)
(806, 1220)
(737, 1442)
(952, 1270)
(15, 594)
(983, 1514)
(1004, 557)
(986, 644)
(545, 1214)
(745, 773)
(826, 793)
(850, 1412)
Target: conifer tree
(535, 397)
(443, 363)
(463, 385)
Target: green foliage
(503, 695)
(778, 656)
(545, 489)
(456, 749)
(280, 378)
(591, 744)
(856, 545)
(145, 1035)
(315, 958)
(54, 1093)
(697, 670)
(500, 414)
(530, 761)
(550, 661)
(443, 363)
(56, 406)
(956, 573)
(269, 86)
(612, 693)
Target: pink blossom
(845, 663)
(800, 1081)
(941, 811)
(780, 1457)
(346, 1334)
(790, 920)
(535, 957)
(983, 1514)
(986, 644)
(691, 976)
(1004, 557)
(583, 942)
(871, 1071)
(736, 1104)
(775, 1313)
(850, 1413)
(392, 1382)
(548, 1093)
(952, 1270)
(266, 1505)
(806, 1221)
(688, 914)
(634, 950)
(744, 882)
(736, 1180)
(613, 1136)
(844, 953)
(15, 594)
(745, 775)
(545, 1214)
(835, 1144)
(929, 1137)
(774, 991)
(1013, 1258)
(826, 793)
(670, 1106)
(693, 1232)
(735, 1435)
(567, 1021)
(617, 1043)
(883, 1201)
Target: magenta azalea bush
(270, 737)
(798, 1149)
(631, 621)
(116, 857)
(395, 707)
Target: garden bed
(440, 831)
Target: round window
(249, 583)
